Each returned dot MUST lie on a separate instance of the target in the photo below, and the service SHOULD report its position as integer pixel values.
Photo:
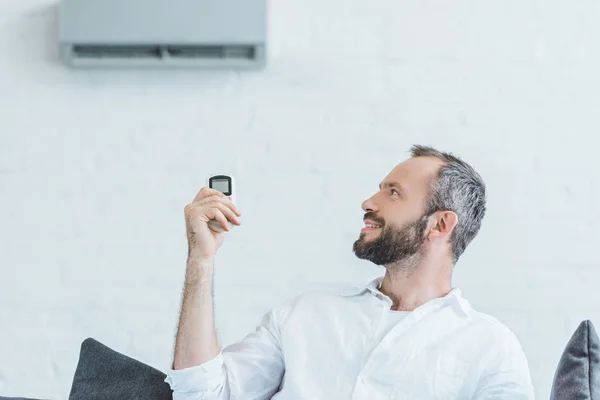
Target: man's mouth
(370, 226)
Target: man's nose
(369, 205)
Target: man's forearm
(196, 339)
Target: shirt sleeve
(507, 374)
(249, 369)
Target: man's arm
(506, 376)
(196, 339)
(250, 368)
(197, 371)
(200, 370)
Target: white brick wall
(96, 167)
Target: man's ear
(444, 223)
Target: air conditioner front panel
(162, 21)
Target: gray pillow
(578, 374)
(104, 374)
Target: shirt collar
(454, 297)
(372, 286)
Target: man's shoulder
(315, 295)
(493, 329)
(322, 298)
(501, 351)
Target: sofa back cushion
(103, 374)
(578, 372)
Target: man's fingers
(222, 199)
(238, 212)
(218, 215)
(226, 211)
(227, 201)
(215, 205)
(206, 192)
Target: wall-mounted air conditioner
(164, 33)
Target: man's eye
(394, 191)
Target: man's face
(397, 211)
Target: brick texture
(96, 167)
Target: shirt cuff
(204, 377)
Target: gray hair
(457, 188)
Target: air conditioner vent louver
(200, 52)
(239, 52)
(82, 51)
(163, 34)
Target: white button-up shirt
(327, 345)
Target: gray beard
(398, 248)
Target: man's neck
(411, 288)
